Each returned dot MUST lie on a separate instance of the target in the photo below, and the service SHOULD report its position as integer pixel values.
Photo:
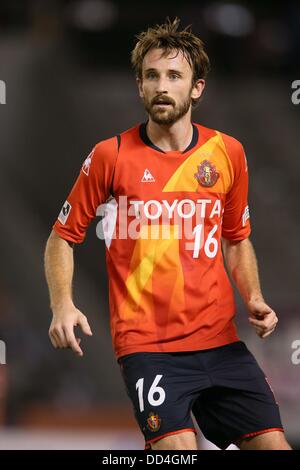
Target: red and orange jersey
(163, 216)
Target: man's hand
(262, 317)
(61, 331)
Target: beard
(170, 114)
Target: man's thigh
(179, 441)
(241, 403)
(274, 440)
(162, 388)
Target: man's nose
(162, 86)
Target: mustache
(162, 99)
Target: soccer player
(176, 208)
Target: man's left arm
(241, 262)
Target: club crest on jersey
(87, 163)
(207, 174)
(153, 422)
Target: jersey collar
(147, 141)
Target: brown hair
(167, 37)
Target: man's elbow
(54, 237)
(228, 242)
(229, 246)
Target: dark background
(66, 66)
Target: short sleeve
(236, 218)
(92, 188)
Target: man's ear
(198, 89)
(140, 87)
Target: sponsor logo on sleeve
(2, 92)
(87, 163)
(2, 352)
(246, 163)
(64, 213)
(246, 215)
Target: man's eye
(151, 75)
(173, 76)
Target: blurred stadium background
(68, 85)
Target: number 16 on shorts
(156, 394)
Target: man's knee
(274, 440)
(179, 441)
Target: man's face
(166, 87)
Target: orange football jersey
(162, 216)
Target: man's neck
(175, 137)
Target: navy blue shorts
(223, 387)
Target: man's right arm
(59, 267)
(92, 188)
